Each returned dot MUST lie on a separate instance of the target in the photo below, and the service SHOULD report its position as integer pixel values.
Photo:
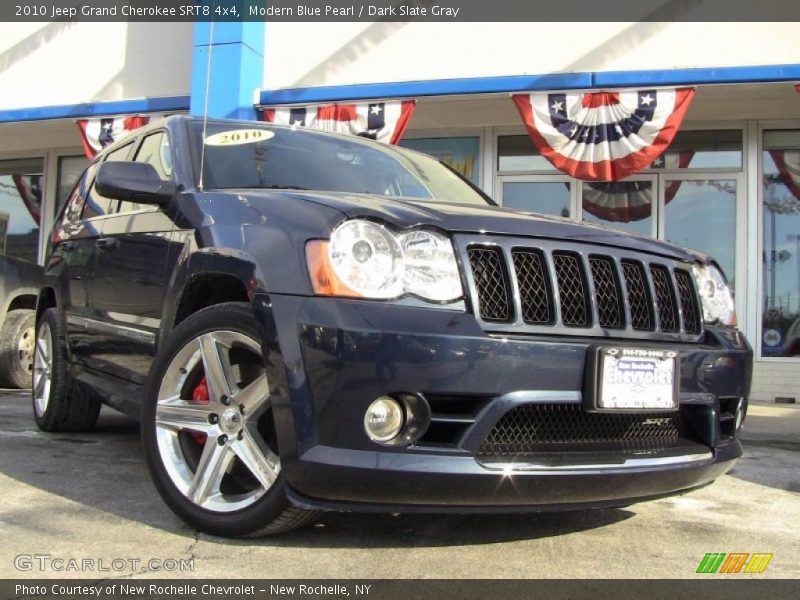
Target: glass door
(545, 194)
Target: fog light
(384, 419)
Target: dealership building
(728, 183)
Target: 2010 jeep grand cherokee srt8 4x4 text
(307, 322)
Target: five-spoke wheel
(209, 427)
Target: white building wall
(773, 378)
(46, 64)
(347, 53)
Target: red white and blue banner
(96, 134)
(603, 136)
(384, 121)
(788, 164)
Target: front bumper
(329, 358)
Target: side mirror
(133, 182)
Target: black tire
(69, 408)
(16, 348)
(272, 512)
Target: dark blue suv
(307, 322)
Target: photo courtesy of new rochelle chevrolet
(389, 274)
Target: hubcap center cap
(231, 421)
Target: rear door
(131, 274)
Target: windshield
(268, 157)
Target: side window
(96, 204)
(154, 150)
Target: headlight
(715, 294)
(364, 259)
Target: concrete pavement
(88, 496)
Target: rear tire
(16, 348)
(208, 431)
(58, 404)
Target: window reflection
(780, 334)
(20, 208)
(548, 198)
(626, 205)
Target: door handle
(107, 243)
(67, 246)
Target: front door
(132, 274)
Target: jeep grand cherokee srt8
(308, 322)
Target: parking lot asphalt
(88, 496)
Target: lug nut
(213, 419)
(240, 435)
(241, 408)
(222, 440)
(224, 399)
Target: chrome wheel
(214, 426)
(42, 369)
(26, 348)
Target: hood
(463, 218)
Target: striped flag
(603, 136)
(384, 121)
(96, 134)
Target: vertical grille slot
(491, 283)
(638, 295)
(686, 292)
(534, 286)
(665, 299)
(608, 292)
(572, 289)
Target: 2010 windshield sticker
(236, 137)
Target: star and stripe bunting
(96, 134)
(603, 136)
(29, 188)
(628, 201)
(788, 165)
(384, 121)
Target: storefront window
(545, 197)
(459, 153)
(703, 149)
(20, 207)
(69, 169)
(517, 154)
(701, 214)
(780, 335)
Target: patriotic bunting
(29, 188)
(788, 164)
(96, 134)
(384, 121)
(627, 201)
(603, 136)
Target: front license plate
(637, 379)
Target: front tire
(208, 429)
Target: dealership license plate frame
(594, 389)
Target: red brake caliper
(200, 395)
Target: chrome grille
(562, 286)
(665, 298)
(610, 310)
(691, 313)
(572, 292)
(638, 296)
(491, 284)
(534, 288)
